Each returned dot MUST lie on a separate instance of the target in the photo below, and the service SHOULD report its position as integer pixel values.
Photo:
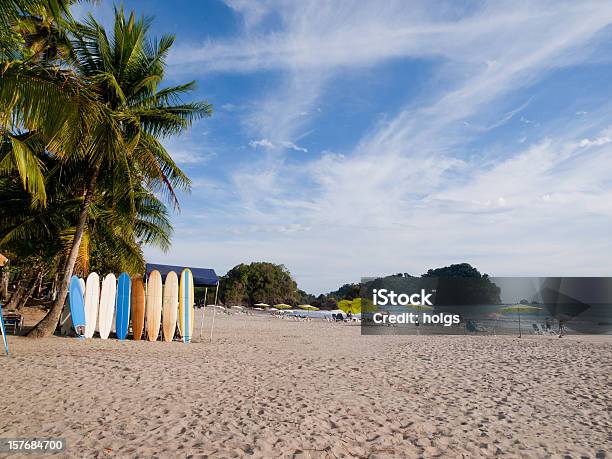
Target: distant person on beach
(561, 328)
(547, 324)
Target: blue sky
(360, 138)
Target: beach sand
(276, 388)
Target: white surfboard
(153, 305)
(170, 306)
(107, 305)
(186, 311)
(92, 301)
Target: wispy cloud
(265, 143)
(189, 152)
(261, 143)
(598, 141)
(313, 44)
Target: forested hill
(268, 283)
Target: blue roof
(201, 276)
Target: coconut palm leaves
(42, 110)
(112, 239)
(98, 118)
(35, 23)
(40, 101)
(125, 71)
(19, 153)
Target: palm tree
(41, 237)
(124, 72)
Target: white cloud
(293, 146)
(190, 156)
(596, 141)
(261, 143)
(266, 143)
(187, 152)
(358, 33)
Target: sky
(360, 138)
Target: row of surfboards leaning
(129, 301)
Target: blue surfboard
(122, 319)
(3, 330)
(77, 305)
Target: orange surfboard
(137, 306)
(154, 305)
(170, 306)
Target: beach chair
(536, 329)
(12, 319)
(473, 327)
(546, 331)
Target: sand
(275, 388)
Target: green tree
(456, 270)
(462, 284)
(259, 282)
(305, 298)
(325, 302)
(346, 292)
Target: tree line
(249, 284)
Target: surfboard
(107, 305)
(92, 302)
(154, 305)
(137, 306)
(77, 305)
(186, 312)
(122, 317)
(3, 330)
(170, 306)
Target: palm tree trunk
(4, 283)
(53, 292)
(26, 296)
(39, 283)
(16, 296)
(47, 325)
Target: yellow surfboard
(170, 305)
(186, 311)
(153, 307)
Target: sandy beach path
(275, 388)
